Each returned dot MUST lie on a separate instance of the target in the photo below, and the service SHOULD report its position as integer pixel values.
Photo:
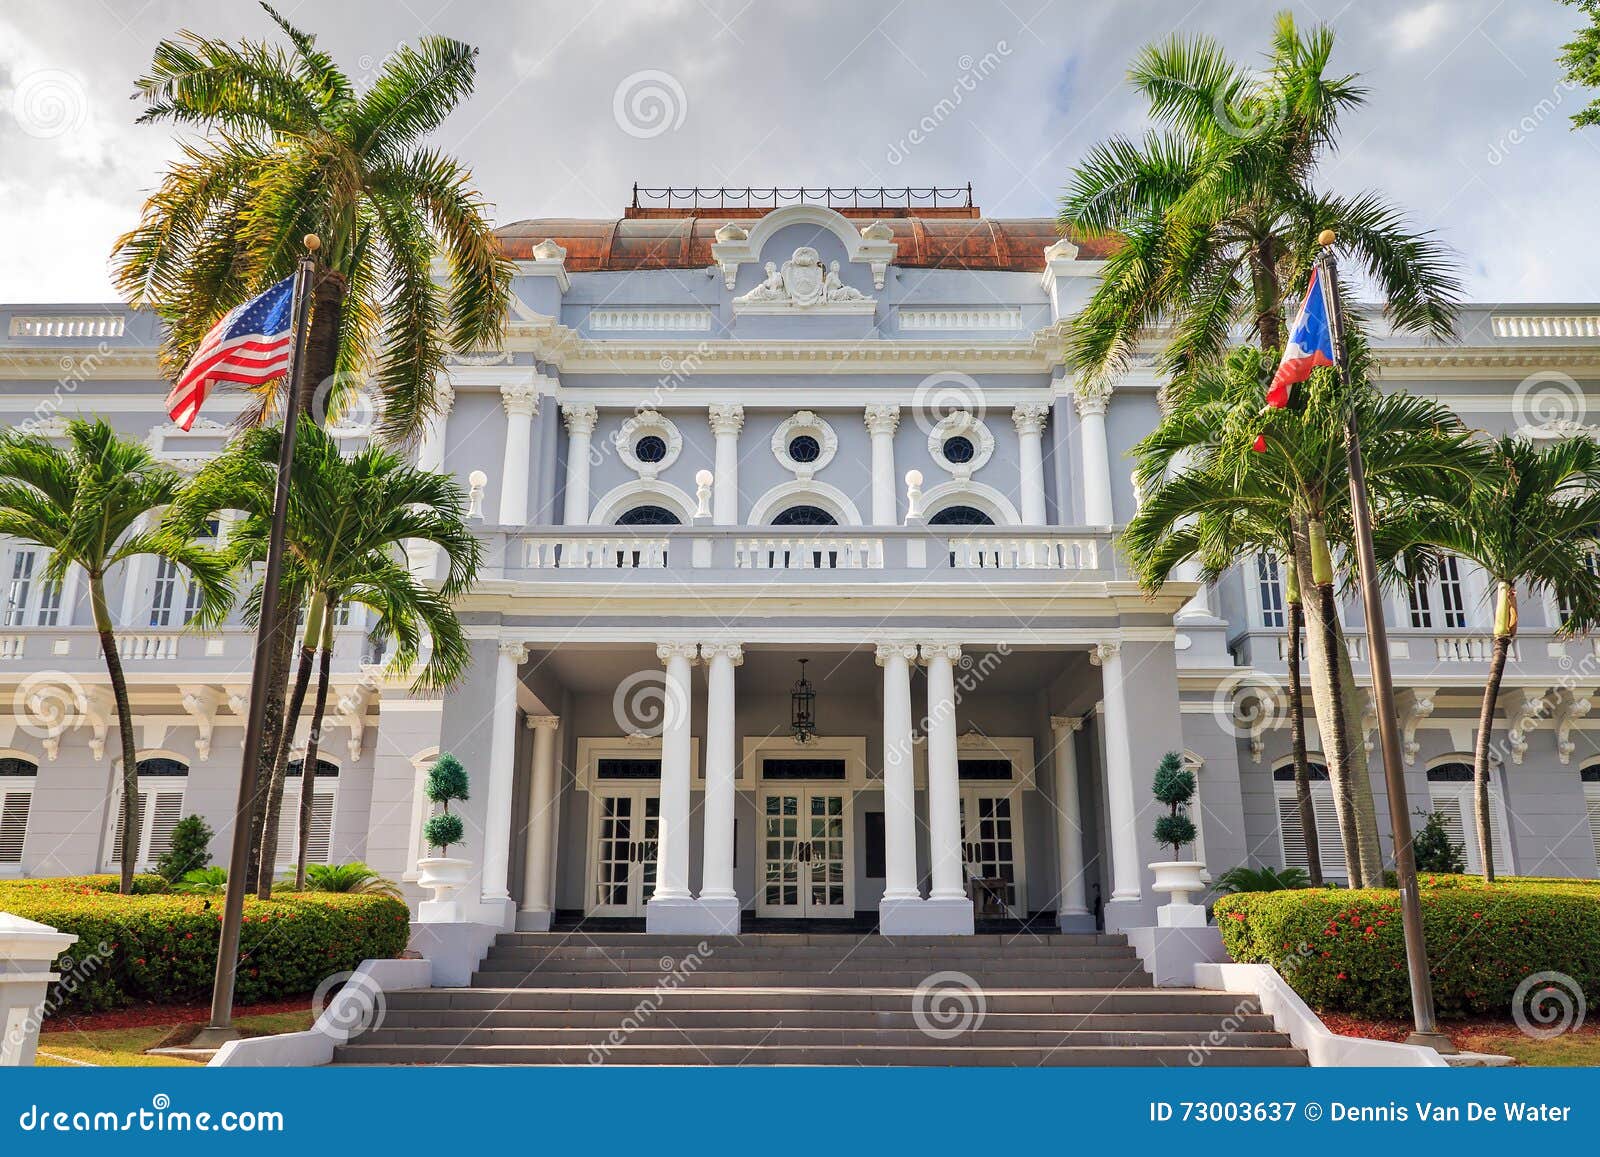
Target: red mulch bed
(144, 1015)
(1470, 1035)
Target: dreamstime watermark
(948, 1004)
(75, 370)
(649, 103)
(970, 74)
(74, 973)
(49, 103)
(1548, 399)
(674, 972)
(1247, 1007)
(646, 703)
(1249, 704)
(942, 395)
(1250, 109)
(1531, 121)
(1548, 1004)
(348, 1004)
(47, 703)
(348, 405)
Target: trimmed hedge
(1344, 951)
(158, 947)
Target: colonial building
(801, 598)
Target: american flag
(250, 346)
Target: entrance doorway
(624, 831)
(805, 841)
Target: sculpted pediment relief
(803, 284)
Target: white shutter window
(1591, 797)
(116, 839)
(323, 805)
(321, 827)
(289, 824)
(161, 799)
(1454, 801)
(1330, 841)
(14, 807)
(167, 811)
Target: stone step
(851, 1055)
(1031, 999)
(800, 953)
(520, 960)
(694, 1020)
(706, 1037)
(995, 977)
(984, 940)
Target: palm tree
(290, 147)
(90, 504)
(1230, 499)
(1217, 212)
(1530, 523)
(348, 525)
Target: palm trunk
(130, 756)
(280, 761)
(1505, 628)
(1327, 689)
(1297, 726)
(281, 645)
(308, 768)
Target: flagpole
(221, 1029)
(1426, 1031)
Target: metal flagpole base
(214, 1038)
(1436, 1041)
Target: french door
(805, 853)
(624, 830)
(991, 847)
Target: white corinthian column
(1030, 419)
(882, 420)
(1092, 405)
(949, 908)
(727, 419)
(521, 403)
(672, 908)
(580, 421)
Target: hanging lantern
(803, 707)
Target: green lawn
(1572, 1049)
(125, 1047)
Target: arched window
(16, 800)
(649, 516)
(1591, 797)
(804, 516)
(163, 781)
(325, 797)
(1450, 792)
(161, 765)
(960, 516)
(1291, 833)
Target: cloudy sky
(1466, 127)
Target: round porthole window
(650, 448)
(805, 448)
(958, 450)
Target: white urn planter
(1179, 879)
(444, 876)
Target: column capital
(677, 649)
(948, 651)
(1031, 417)
(882, 418)
(543, 722)
(520, 399)
(1066, 723)
(580, 417)
(1091, 399)
(1104, 653)
(732, 651)
(896, 649)
(726, 417)
(517, 652)
(444, 395)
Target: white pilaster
(1072, 903)
(430, 452)
(717, 896)
(496, 904)
(521, 403)
(900, 890)
(667, 909)
(1030, 419)
(882, 420)
(580, 421)
(1092, 406)
(948, 903)
(727, 419)
(1189, 570)
(536, 909)
(1122, 812)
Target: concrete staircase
(573, 998)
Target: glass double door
(625, 830)
(804, 850)
(991, 848)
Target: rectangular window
(20, 587)
(323, 803)
(1421, 611)
(49, 604)
(160, 808)
(192, 596)
(1452, 600)
(1269, 581)
(163, 592)
(14, 806)
(1330, 842)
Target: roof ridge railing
(833, 197)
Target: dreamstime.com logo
(948, 1004)
(942, 395)
(1548, 398)
(158, 1117)
(348, 1004)
(1548, 1004)
(46, 703)
(646, 704)
(649, 103)
(49, 103)
(1247, 705)
(348, 405)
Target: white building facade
(716, 442)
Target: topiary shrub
(162, 948)
(447, 781)
(188, 851)
(1344, 951)
(1174, 786)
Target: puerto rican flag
(1310, 343)
(250, 346)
